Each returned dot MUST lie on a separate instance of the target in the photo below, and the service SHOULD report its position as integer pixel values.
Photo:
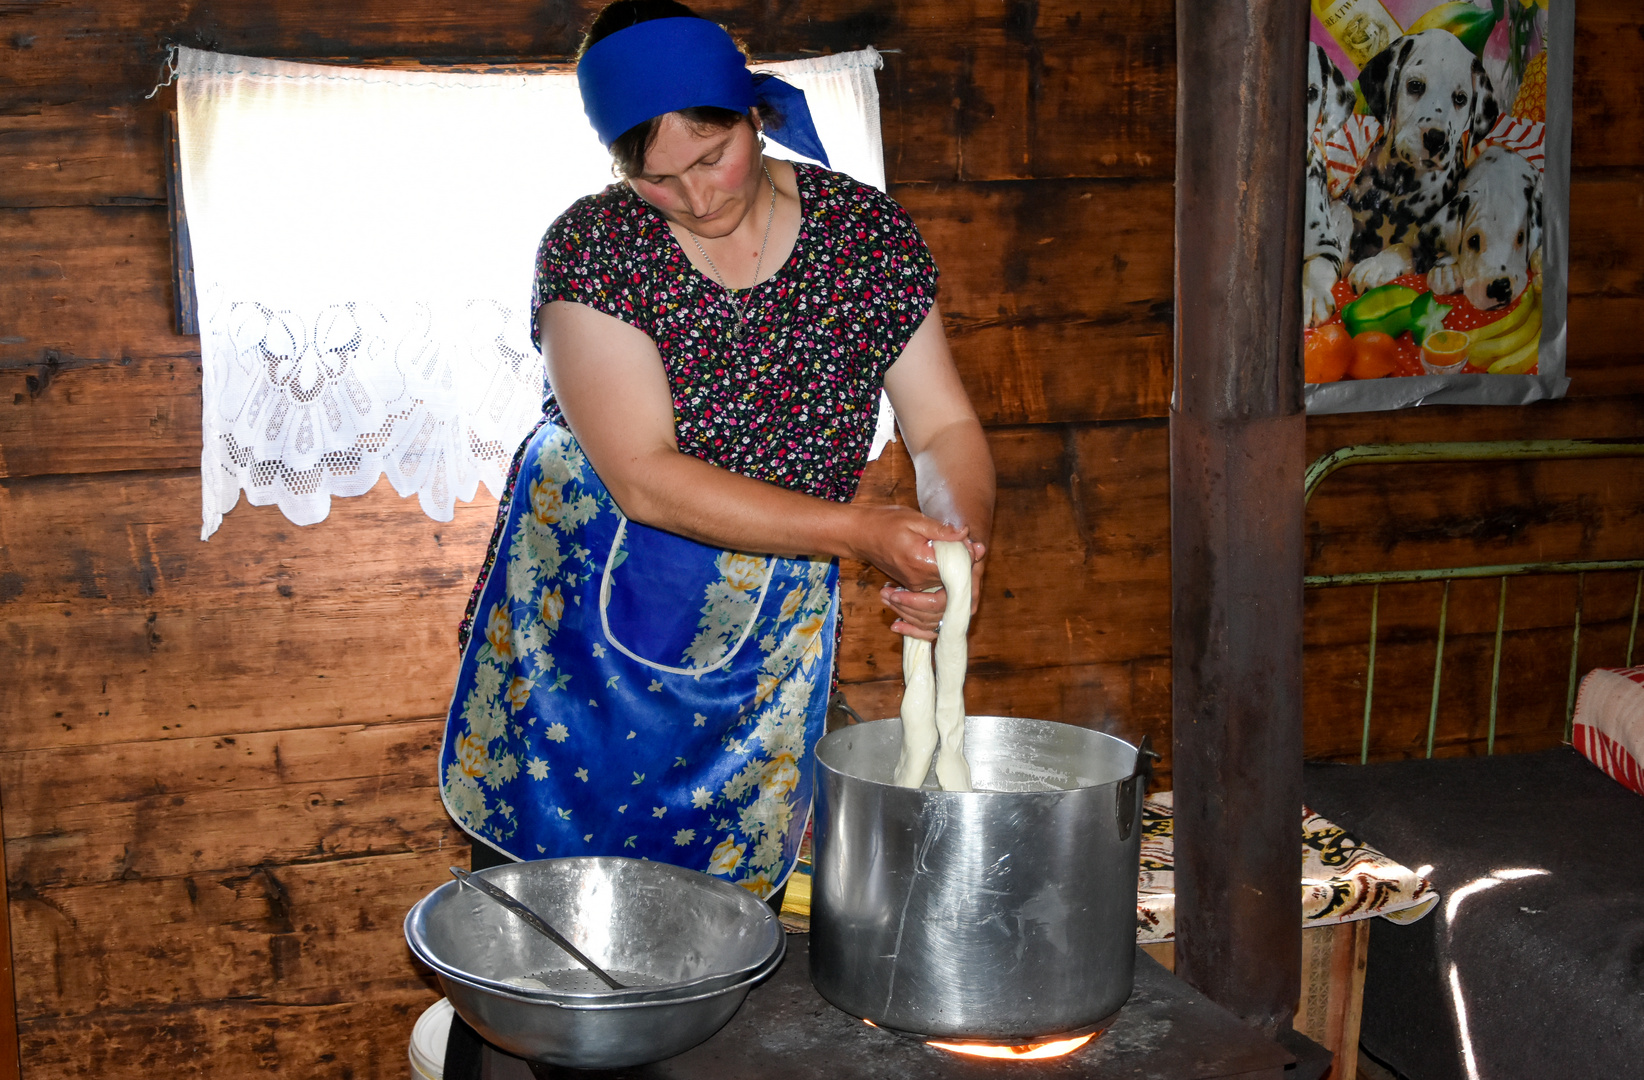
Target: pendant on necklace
(741, 326)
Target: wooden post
(1237, 456)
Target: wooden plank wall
(216, 760)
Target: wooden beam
(11, 1066)
(1237, 435)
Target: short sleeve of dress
(902, 270)
(584, 257)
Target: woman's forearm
(951, 462)
(956, 480)
(681, 494)
(669, 490)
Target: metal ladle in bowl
(535, 922)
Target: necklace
(741, 326)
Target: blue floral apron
(631, 692)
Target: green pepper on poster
(1385, 308)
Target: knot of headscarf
(664, 65)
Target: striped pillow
(1609, 723)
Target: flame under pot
(1005, 914)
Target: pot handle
(1128, 803)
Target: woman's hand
(919, 614)
(897, 540)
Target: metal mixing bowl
(599, 1036)
(690, 946)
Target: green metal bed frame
(1431, 452)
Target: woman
(658, 612)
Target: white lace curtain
(363, 242)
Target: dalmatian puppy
(1329, 224)
(1491, 231)
(1431, 95)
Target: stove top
(787, 1031)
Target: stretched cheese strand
(933, 702)
(918, 713)
(953, 562)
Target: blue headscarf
(665, 65)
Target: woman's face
(705, 180)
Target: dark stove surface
(787, 1031)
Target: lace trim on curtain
(429, 394)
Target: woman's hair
(629, 150)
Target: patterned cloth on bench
(1342, 879)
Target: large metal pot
(1002, 914)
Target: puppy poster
(1437, 199)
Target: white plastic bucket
(428, 1038)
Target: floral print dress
(632, 692)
